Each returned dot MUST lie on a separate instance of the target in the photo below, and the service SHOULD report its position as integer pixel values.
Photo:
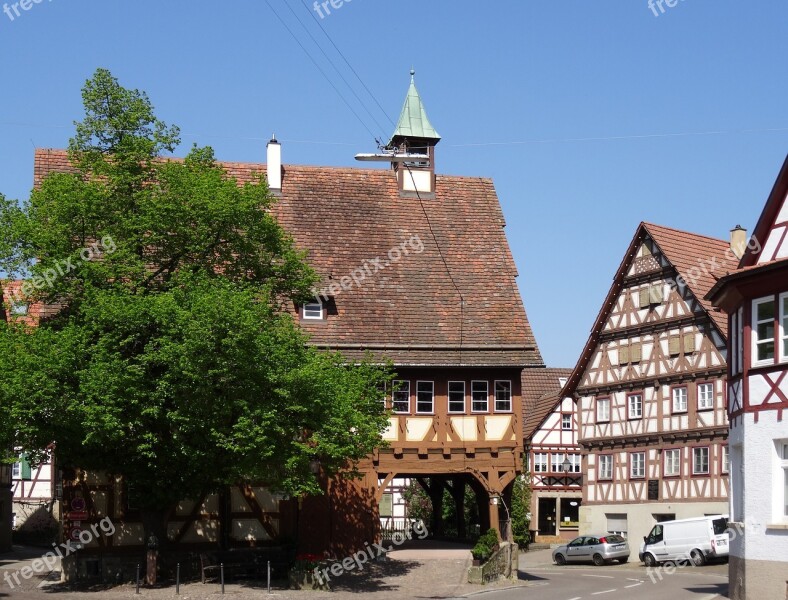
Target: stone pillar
(494, 518)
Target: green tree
(171, 359)
(521, 510)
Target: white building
(756, 299)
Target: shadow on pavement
(713, 588)
(373, 577)
(524, 576)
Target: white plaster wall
(762, 481)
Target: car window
(615, 539)
(720, 525)
(577, 542)
(591, 541)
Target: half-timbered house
(416, 270)
(553, 454)
(650, 384)
(755, 296)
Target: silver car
(599, 549)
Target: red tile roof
(541, 389)
(410, 310)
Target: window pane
(766, 330)
(503, 396)
(424, 397)
(479, 396)
(765, 311)
(557, 463)
(766, 350)
(401, 397)
(456, 396)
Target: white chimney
(738, 241)
(274, 165)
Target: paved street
(432, 571)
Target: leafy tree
(521, 510)
(171, 359)
(417, 502)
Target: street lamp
(567, 464)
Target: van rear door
(720, 541)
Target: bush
(487, 544)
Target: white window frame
(680, 403)
(506, 402)
(695, 451)
(557, 462)
(400, 386)
(600, 402)
(671, 462)
(634, 414)
(16, 470)
(455, 393)
(577, 463)
(474, 391)
(756, 341)
(431, 391)
(725, 459)
(637, 465)
(782, 484)
(564, 418)
(706, 403)
(605, 467)
(308, 314)
(541, 462)
(783, 327)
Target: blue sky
(579, 93)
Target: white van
(686, 540)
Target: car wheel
(560, 559)
(649, 560)
(698, 559)
(623, 560)
(599, 560)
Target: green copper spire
(413, 122)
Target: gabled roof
(699, 259)
(541, 389)
(413, 121)
(775, 206)
(410, 309)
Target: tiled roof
(409, 310)
(541, 389)
(700, 260)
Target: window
(637, 465)
(503, 396)
(603, 410)
(635, 406)
(705, 396)
(726, 460)
(400, 398)
(456, 396)
(784, 327)
(689, 343)
(783, 447)
(763, 330)
(577, 463)
(557, 462)
(606, 466)
(651, 295)
(425, 397)
(671, 462)
(700, 461)
(733, 327)
(630, 354)
(479, 396)
(679, 399)
(19, 309)
(566, 421)
(617, 523)
(16, 471)
(540, 462)
(313, 311)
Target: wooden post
(494, 522)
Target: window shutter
(656, 292)
(674, 343)
(636, 353)
(623, 355)
(689, 343)
(644, 298)
(26, 471)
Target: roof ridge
(684, 231)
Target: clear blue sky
(550, 74)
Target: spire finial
(412, 73)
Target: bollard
(221, 575)
(138, 578)
(269, 576)
(178, 580)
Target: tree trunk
(154, 522)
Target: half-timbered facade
(416, 270)
(756, 299)
(650, 386)
(553, 454)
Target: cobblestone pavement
(437, 574)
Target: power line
(319, 68)
(331, 62)
(323, 29)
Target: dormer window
(313, 311)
